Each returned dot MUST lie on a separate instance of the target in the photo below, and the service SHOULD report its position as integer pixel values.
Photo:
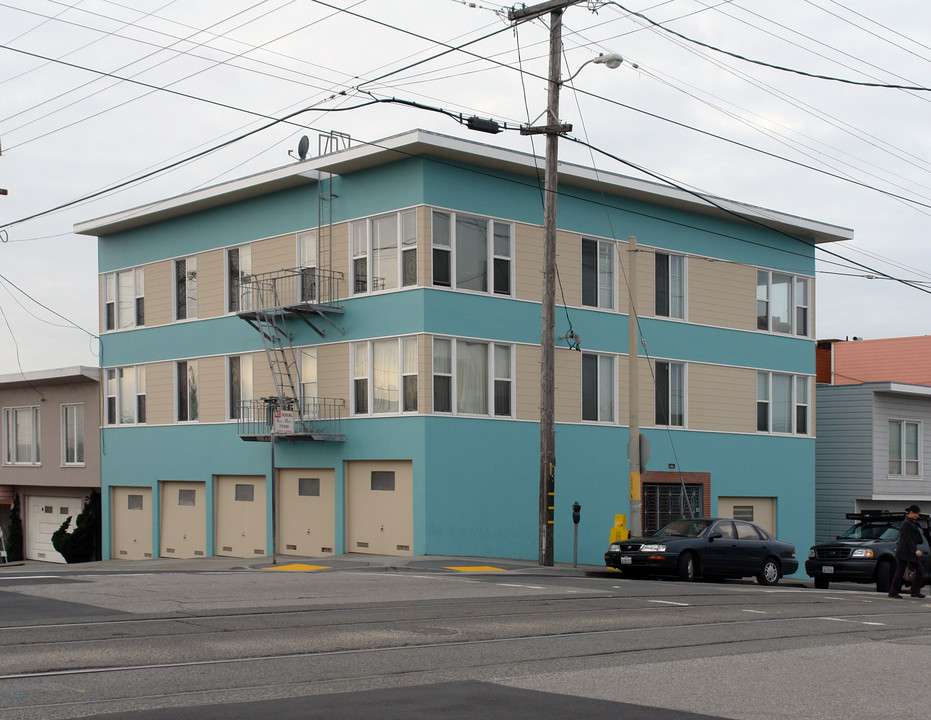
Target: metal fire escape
(308, 295)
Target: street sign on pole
(283, 422)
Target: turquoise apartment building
(379, 308)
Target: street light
(611, 60)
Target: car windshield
(865, 531)
(684, 528)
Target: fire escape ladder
(282, 360)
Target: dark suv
(866, 552)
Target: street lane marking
(531, 587)
(298, 567)
(758, 612)
(668, 602)
(476, 568)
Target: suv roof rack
(882, 515)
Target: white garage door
(44, 516)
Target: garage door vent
(404, 548)
(326, 550)
(148, 555)
(169, 550)
(258, 552)
(227, 549)
(199, 552)
(362, 544)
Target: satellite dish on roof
(302, 147)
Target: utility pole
(633, 393)
(552, 130)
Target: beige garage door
(759, 510)
(184, 519)
(44, 516)
(306, 504)
(131, 522)
(380, 507)
(240, 523)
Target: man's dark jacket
(909, 540)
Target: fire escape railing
(317, 417)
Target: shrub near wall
(83, 544)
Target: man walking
(908, 555)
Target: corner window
(384, 252)
(186, 288)
(239, 382)
(670, 285)
(381, 368)
(904, 442)
(21, 436)
(239, 279)
(472, 253)
(669, 396)
(482, 381)
(124, 395)
(186, 390)
(72, 434)
(597, 388)
(782, 403)
(124, 299)
(782, 303)
(598, 273)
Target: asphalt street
(362, 637)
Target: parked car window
(683, 528)
(872, 532)
(746, 531)
(726, 528)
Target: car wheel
(688, 567)
(883, 576)
(822, 583)
(769, 573)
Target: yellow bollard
(619, 531)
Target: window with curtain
(669, 285)
(597, 388)
(471, 252)
(385, 376)
(782, 403)
(307, 261)
(72, 432)
(597, 273)
(384, 251)
(186, 288)
(385, 389)
(239, 382)
(904, 444)
(124, 395)
(187, 401)
(239, 278)
(124, 299)
(482, 381)
(21, 436)
(669, 396)
(472, 377)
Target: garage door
(240, 523)
(379, 507)
(131, 523)
(759, 510)
(184, 519)
(45, 514)
(306, 504)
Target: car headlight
(653, 548)
(615, 547)
(811, 553)
(862, 552)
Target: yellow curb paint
(476, 568)
(298, 567)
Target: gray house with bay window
(872, 451)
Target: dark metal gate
(665, 502)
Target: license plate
(827, 569)
(625, 560)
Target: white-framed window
(482, 383)
(186, 391)
(598, 273)
(472, 252)
(186, 288)
(782, 403)
(307, 262)
(669, 274)
(669, 395)
(904, 448)
(385, 376)
(384, 251)
(21, 436)
(238, 279)
(597, 388)
(124, 395)
(783, 303)
(239, 384)
(72, 434)
(124, 301)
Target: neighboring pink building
(851, 362)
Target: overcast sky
(96, 93)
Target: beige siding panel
(424, 375)
(528, 254)
(102, 303)
(277, 253)
(159, 284)
(424, 248)
(721, 294)
(340, 260)
(568, 392)
(333, 372)
(160, 393)
(211, 389)
(569, 264)
(262, 383)
(210, 284)
(721, 398)
(645, 380)
(527, 390)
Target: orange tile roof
(905, 360)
